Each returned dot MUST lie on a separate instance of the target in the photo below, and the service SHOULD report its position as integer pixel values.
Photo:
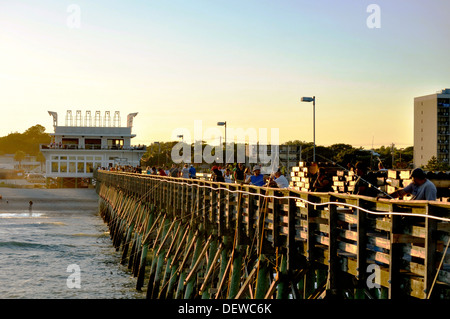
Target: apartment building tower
(431, 127)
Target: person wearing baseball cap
(257, 178)
(421, 188)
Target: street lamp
(312, 99)
(224, 124)
(182, 142)
(159, 151)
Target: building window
(93, 143)
(63, 167)
(55, 167)
(80, 167)
(89, 167)
(71, 143)
(72, 167)
(115, 144)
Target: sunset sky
(246, 62)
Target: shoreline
(48, 199)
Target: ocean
(58, 248)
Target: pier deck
(186, 238)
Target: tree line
(26, 142)
(159, 153)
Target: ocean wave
(21, 214)
(24, 245)
(53, 223)
(88, 235)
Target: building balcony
(91, 147)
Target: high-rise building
(431, 127)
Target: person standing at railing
(174, 172)
(364, 185)
(216, 175)
(257, 178)
(228, 176)
(239, 173)
(322, 182)
(185, 171)
(192, 172)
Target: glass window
(80, 158)
(55, 158)
(72, 158)
(89, 167)
(63, 167)
(80, 167)
(63, 158)
(98, 158)
(55, 167)
(89, 158)
(71, 167)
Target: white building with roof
(84, 143)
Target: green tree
(41, 159)
(434, 165)
(19, 157)
(27, 142)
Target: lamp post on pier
(312, 99)
(224, 124)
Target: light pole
(312, 99)
(224, 124)
(159, 151)
(182, 142)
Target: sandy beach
(47, 199)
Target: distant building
(287, 156)
(431, 127)
(86, 143)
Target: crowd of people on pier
(232, 173)
(421, 188)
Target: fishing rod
(359, 177)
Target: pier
(191, 238)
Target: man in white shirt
(281, 180)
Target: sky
(247, 62)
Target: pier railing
(188, 238)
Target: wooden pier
(186, 239)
